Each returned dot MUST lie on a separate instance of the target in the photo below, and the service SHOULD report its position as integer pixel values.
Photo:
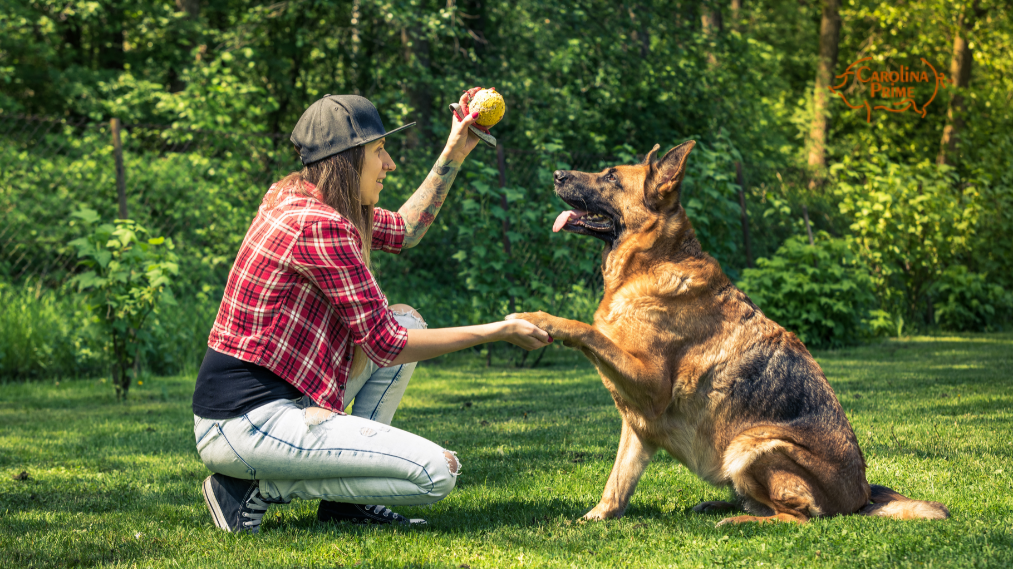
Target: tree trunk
(415, 47)
(808, 227)
(712, 26)
(960, 76)
(355, 22)
(710, 19)
(745, 216)
(192, 9)
(111, 54)
(639, 17)
(736, 14)
(507, 248)
(830, 31)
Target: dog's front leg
(642, 384)
(631, 460)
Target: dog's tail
(889, 504)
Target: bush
(909, 223)
(966, 301)
(820, 292)
(127, 278)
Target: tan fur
(696, 369)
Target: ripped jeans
(298, 450)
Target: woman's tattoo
(420, 210)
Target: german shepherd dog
(695, 368)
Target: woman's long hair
(337, 179)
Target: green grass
(118, 485)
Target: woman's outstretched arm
(420, 210)
(426, 344)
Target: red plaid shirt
(299, 295)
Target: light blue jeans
(298, 450)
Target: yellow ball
(489, 105)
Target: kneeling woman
(303, 330)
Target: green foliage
(582, 80)
(820, 292)
(127, 278)
(45, 333)
(509, 258)
(910, 223)
(710, 196)
(968, 301)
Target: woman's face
(375, 166)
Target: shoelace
(382, 510)
(254, 509)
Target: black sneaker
(236, 505)
(360, 514)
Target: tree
(830, 30)
(960, 76)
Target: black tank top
(228, 387)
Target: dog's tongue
(565, 217)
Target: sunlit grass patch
(119, 484)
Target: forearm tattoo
(420, 210)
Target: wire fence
(201, 188)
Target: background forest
(838, 227)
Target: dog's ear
(649, 159)
(665, 179)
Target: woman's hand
(524, 334)
(461, 141)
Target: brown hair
(337, 179)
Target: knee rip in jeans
(316, 415)
(405, 310)
(453, 463)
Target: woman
(303, 330)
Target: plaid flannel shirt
(299, 295)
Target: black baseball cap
(336, 123)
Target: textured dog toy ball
(490, 107)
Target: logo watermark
(891, 90)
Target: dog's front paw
(559, 328)
(603, 512)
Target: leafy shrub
(820, 292)
(967, 301)
(127, 278)
(909, 223)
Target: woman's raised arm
(420, 210)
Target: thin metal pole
(121, 176)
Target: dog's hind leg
(783, 517)
(715, 507)
(631, 460)
(774, 487)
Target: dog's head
(622, 200)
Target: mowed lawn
(118, 485)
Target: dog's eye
(610, 177)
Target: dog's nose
(560, 176)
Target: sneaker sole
(212, 503)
